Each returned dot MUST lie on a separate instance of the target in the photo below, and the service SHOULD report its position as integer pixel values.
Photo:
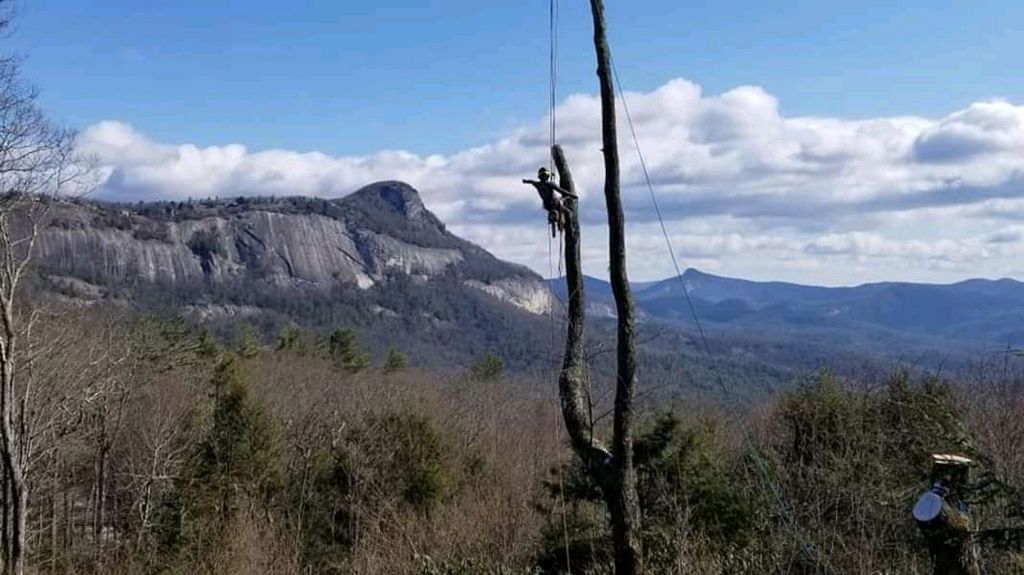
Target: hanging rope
(553, 16)
(561, 252)
(552, 139)
(763, 469)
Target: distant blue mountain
(977, 312)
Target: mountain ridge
(377, 260)
(975, 310)
(380, 231)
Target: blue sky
(824, 142)
(352, 77)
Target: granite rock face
(378, 234)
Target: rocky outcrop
(379, 233)
(522, 293)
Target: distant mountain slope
(377, 258)
(715, 288)
(966, 316)
(372, 236)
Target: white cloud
(744, 189)
(984, 127)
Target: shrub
(288, 339)
(395, 361)
(488, 368)
(204, 243)
(851, 461)
(151, 231)
(249, 342)
(688, 489)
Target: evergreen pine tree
(249, 343)
(488, 368)
(343, 348)
(395, 361)
(234, 467)
(288, 339)
(207, 346)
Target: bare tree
(605, 466)
(156, 449)
(59, 377)
(611, 468)
(624, 504)
(37, 163)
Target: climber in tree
(557, 212)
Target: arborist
(558, 213)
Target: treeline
(162, 449)
(156, 448)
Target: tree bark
(612, 469)
(9, 442)
(18, 503)
(20, 524)
(54, 530)
(601, 464)
(623, 503)
(572, 391)
(69, 526)
(5, 521)
(99, 505)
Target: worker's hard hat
(544, 173)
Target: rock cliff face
(380, 234)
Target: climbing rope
(553, 10)
(561, 253)
(558, 415)
(552, 139)
(764, 471)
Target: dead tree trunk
(602, 464)
(99, 505)
(54, 496)
(5, 521)
(623, 502)
(611, 469)
(572, 381)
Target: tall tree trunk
(5, 521)
(601, 463)
(623, 503)
(100, 503)
(19, 521)
(69, 525)
(572, 390)
(9, 445)
(54, 529)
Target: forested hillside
(161, 449)
(376, 261)
(925, 325)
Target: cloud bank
(744, 189)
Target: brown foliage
(430, 472)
